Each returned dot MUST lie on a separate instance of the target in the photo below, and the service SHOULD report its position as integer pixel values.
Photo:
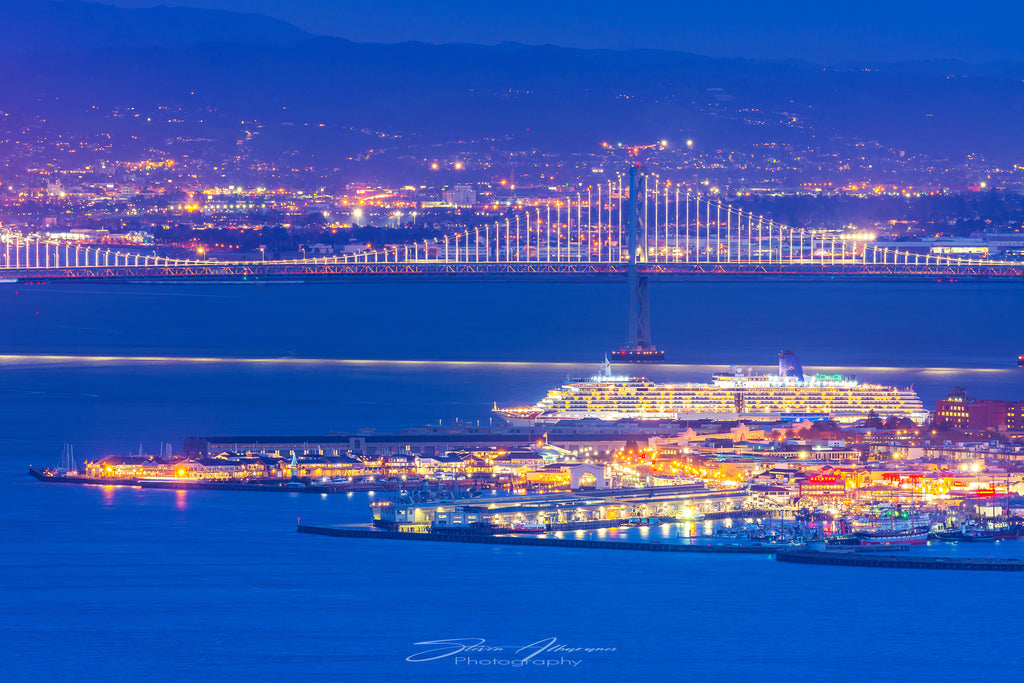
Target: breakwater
(210, 485)
(847, 559)
(349, 532)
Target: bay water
(118, 582)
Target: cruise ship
(736, 395)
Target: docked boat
(912, 536)
(973, 532)
(1007, 531)
(842, 539)
(887, 527)
(647, 521)
(735, 395)
(730, 533)
(528, 528)
(979, 536)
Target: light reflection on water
(661, 370)
(531, 378)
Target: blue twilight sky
(817, 30)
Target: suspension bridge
(656, 230)
(646, 230)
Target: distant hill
(219, 68)
(73, 26)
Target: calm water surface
(103, 582)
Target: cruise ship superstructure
(736, 395)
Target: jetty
(834, 558)
(651, 546)
(181, 484)
(847, 559)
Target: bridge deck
(309, 272)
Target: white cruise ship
(736, 395)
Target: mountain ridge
(74, 25)
(540, 97)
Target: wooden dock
(349, 532)
(847, 559)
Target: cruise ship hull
(736, 396)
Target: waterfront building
(124, 466)
(824, 485)
(960, 412)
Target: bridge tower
(638, 347)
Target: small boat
(974, 533)
(843, 539)
(913, 536)
(728, 533)
(528, 528)
(1007, 532)
(1020, 360)
(978, 536)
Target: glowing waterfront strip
(16, 358)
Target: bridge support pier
(639, 315)
(638, 347)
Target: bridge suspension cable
(684, 231)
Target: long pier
(782, 554)
(348, 532)
(44, 475)
(840, 559)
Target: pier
(842, 559)
(48, 476)
(781, 553)
(567, 510)
(349, 532)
